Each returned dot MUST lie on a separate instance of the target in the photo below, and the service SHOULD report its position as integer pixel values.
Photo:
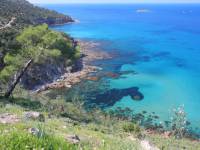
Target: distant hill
(28, 14)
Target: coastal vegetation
(65, 120)
(26, 13)
(36, 46)
(32, 55)
(22, 46)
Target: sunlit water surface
(160, 45)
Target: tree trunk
(17, 79)
(2, 64)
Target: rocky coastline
(81, 68)
(55, 21)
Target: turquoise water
(160, 45)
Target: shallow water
(161, 46)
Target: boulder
(167, 134)
(137, 97)
(74, 139)
(34, 131)
(34, 116)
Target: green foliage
(173, 143)
(121, 113)
(77, 53)
(132, 128)
(23, 140)
(27, 13)
(40, 44)
(179, 122)
(105, 134)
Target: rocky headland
(81, 68)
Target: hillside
(16, 17)
(26, 14)
(57, 124)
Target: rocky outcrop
(80, 69)
(110, 97)
(50, 70)
(40, 74)
(34, 116)
(69, 79)
(74, 139)
(55, 21)
(9, 24)
(146, 145)
(8, 118)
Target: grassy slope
(92, 135)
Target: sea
(156, 54)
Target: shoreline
(68, 79)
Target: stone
(167, 134)
(34, 131)
(131, 138)
(137, 97)
(146, 145)
(34, 116)
(74, 139)
(8, 118)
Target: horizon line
(122, 3)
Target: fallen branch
(9, 24)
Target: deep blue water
(161, 45)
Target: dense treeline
(22, 14)
(26, 13)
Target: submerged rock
(112, 75)
(110, 97)
(93, 78)
(144, 112)
(137, 97)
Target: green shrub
(25, 141)
(179, 123)
(131, 128)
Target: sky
(113, 1)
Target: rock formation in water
(110, 97)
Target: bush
(23, 140)
(179, 122)
(131, 128)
